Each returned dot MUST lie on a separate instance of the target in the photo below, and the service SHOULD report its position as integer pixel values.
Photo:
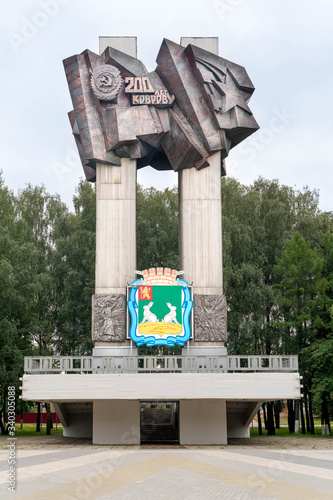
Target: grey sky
(286, 47)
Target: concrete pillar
(210, 43)
(115, 252)
(201, 227)
(126, 44)
(202, 422)
(115, 226)
(200, 239)
(115, 237)
(116, 422)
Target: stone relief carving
(210, 318)
(106, 82)
(109, 318)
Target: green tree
(299, 272)
(319, 360)
(73, 272)
(322, 320)
(12, 342)
(37, 214)
(157, 228)
(243, 277)
(25, 224)
(258, 220)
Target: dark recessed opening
(159, 422)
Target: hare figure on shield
(171, 317)
(148, 316)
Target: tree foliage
(73, 271)
(277, 262)
(278, 271)
(157, 228)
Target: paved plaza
(86, 472)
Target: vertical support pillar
(116, 422)
(115, 251)
(200, 241)
(201, 227)
(203, 422)
(115, 226)
(115, 238)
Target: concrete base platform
(212, 406)
(117, 422)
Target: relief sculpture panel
(210, 318)
(109, 312)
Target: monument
(185, 116)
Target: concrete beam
(61, 413)
(166, 387)
(251, 411)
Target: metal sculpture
(194, 104)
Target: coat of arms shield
(160, 305)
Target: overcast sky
(286, 47)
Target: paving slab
(56, 468)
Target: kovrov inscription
(141, 91)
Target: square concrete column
(116, 422)
(200, 239)
(115, 250)
(200, 242)
(115, 236)
(202, 422)
(115, 226)
(201, 227)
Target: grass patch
(284, 431)
(30, 430)
(284, 420)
